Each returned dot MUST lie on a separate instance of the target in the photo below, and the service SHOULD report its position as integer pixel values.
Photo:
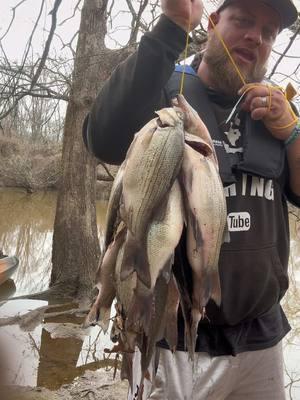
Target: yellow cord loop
(270, 88)
(286, 93)
(270, 98)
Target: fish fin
(188, 341)
(147, 375)
(201, 291)
(98, 316)
(208, 288)
(140, 313)
(115, 332)
(171, 329)
(226, 234)
(104, 318)
(171, 334)
(92, 317)
(215, 291)
(144, 367)
(141, 389)
(198, 144)
(186, 307)
(166, 272)
(126, 271)
(126, 368)
(131, 340)
(135, 259)
(196, 317)
(146, 356)
(196, 232)
(151, 373)
(191, 220)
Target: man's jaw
(244, 56)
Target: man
(239, 353)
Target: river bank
(43, 360)
(92, 385)
(46, 354)
(36, 166)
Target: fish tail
(92, 317)
(226, 234)
(206, 286)
(135, 259)
(215, 286)
(201, 290)
(127, 265)
(171, 329)
(146, 349)
(141, 389)
(131, 340)
(140, 313)
(104, 318)
(188, 341)
(196, 316)
(126, 368)
(171, 334)
(145, 360)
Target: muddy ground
(98, 384)
(93, 385)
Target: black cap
(285, 8)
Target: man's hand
(270, 105)
(185, 13)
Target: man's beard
(223, 74)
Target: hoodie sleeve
(134, 91)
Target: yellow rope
(270, 87)
(185, 56)
(270, 98)
(225, 47)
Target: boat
(8, 265)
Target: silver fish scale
(160, 166)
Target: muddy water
(45, 354)
(51, 350)
(26, 228)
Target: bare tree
(75, 243)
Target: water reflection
(40, 357)
(21, 348)
(48, 355)
(35, 357)
(26, 229)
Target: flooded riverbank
(51, 350)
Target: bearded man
(238, 349)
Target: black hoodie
(253, 265)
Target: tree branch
(292, 39)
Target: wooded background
(47, 89)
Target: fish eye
(161, 124)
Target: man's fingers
(260, 102)
(259, 113)
(185, 13)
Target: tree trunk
(76, 249)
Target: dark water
(57, 350)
